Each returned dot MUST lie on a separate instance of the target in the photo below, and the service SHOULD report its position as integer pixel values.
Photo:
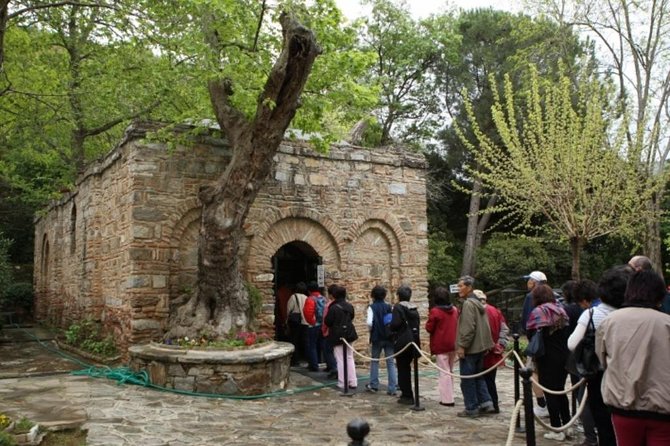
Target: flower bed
(249, 370)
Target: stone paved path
(130, 415)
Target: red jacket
(496, 321)
(442, 325)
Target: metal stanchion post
(417, 404)
(358, 429)
(526, 373)
(517, 390)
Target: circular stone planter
(249, 371)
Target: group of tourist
(628, 398)
(476, 335)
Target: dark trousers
(600, 412)
(552, 376)
(490, 379)
(311, 347)
(297, 335)
(404, 365)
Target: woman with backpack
(405, 326)
(379, 321)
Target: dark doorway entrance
(292, 263)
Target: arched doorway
(294, 262)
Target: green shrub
(87, 336)
(7, 439)
(19, 295)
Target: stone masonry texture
(122, 247)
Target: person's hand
(460, 352)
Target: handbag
(295, 317)
(535, 347)
(583, 361)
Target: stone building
(122, 247)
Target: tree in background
(635, 43)
(494, 43)
(557, 160)
(406, 52)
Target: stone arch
(287, 230)
(374, 255)
(271, 217)
(184, 253)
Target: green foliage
(503, 259)
(255, 301)
(406, 51)
(7, 439)
(557, 168)
(443, 259)
(87, 336)
(23, 425)
(19, 295)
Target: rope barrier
(572, 421)
(428, 359)
(512, 424)
(550, 391)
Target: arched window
(45, 262)
(73, 229)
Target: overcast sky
(423, 8)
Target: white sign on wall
(321, 275)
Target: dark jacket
(340, 320)
(405, 316)
(377, 332)
(442, 325)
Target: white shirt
(599, 314)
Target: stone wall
(122, 248)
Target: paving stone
(116, 414)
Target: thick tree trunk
(221, 303)
(576, 245)
(652, 237)
(476, 225)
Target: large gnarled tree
(221, 300)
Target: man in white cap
(534, 278)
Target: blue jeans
(475, 392)
(387, 347)
(311, 348)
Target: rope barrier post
(517, 387)
(417, 404)
(527, 373)
(358, 429)
(345, 360)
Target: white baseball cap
(537, 276)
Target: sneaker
(447, 404)
(558, 436)
(332, 375)
(541, 412)
(405, 400)
(371, 389)
(487, 408)
(468, 414)
(394, 393)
